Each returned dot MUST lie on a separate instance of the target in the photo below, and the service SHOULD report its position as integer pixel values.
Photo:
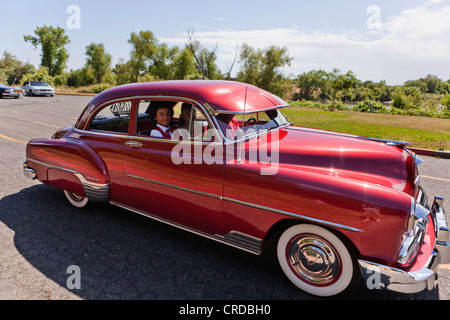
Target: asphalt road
(121, 255)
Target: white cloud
(407, 46)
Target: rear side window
(114, 117)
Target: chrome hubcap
(76, 197)
(314, 260)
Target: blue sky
(394, 40)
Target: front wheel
(315, 260)
(76, 200)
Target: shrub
(100, 87)
(370, 106)
(445, 101)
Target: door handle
(134, 144)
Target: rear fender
(70, 165)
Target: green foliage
(98, 60)
(312, 84)
(340, 84)
(97, 88)
(445, 101)
(81, 77)
(152, 60)
(149, 56)
(370, 106)
(262, 68)
(13, 70)
(40, 75)
(406, 98)
(429, 84)
(52, 42)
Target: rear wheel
(315, 260)
(76, 200)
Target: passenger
(183, 130)
(162, 114)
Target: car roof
(219, 96)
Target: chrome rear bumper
(377, 276)
(29, 172)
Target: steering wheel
(248, 121)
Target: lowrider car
(6, 91)
(38, 88)
(331, 207)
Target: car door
(175, 180)
(106, 135)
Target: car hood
(343, 156)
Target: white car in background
(38, 88)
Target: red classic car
(219, 159)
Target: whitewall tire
(76, 200)
(315, 260)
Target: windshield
(38, 83)
(2, 85)
(234, 126)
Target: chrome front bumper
(377, 276)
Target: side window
(192, 125)
(114, 117)
(144, 123)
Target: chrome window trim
(97, 110)
(211, 121)
(253, 135)
(249, 112)
(145, 138)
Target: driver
(228, 124)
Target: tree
(311, 82)
(262, 67)
(52, 40)
(144, 47)
(98, 60)
(204, 58)
(184, 65)
(340, 83)
(12, 70)
(148, 55)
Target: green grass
(421, 132)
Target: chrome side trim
(244, 240)
(294, 215)
(217, 238)
(211, 195)
(248, 204)
(96, 192)
(399, 144)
